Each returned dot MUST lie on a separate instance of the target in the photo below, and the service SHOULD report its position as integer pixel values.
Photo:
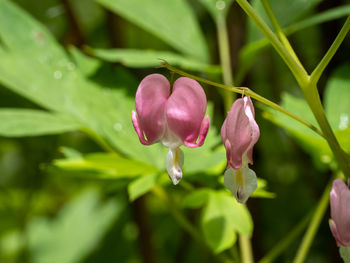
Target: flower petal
(135, 123)
(202, 134)
(255, 132)
(185, 110)
(174, 163)
(241, 130)
(150, 101)
(242, 183)
(340, 212)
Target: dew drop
(39, 37)
(118, 126)
(220, 5)
(326, 159)
(54, 11)
(57, 74)
(70, 66)
(344, 121)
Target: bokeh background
(60, 204)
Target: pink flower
(340, 213)
(239, 134)
(171, 116)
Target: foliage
(76, 184)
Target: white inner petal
(242, 182)
(170, 139)
(174, 163)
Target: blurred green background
(75, 183)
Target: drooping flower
(174, 117)
(340, 213)
(239, 134)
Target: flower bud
(239, 134)
(340, 213)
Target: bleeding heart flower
(171, 116)
(239, 134)
(340, 213)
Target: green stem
(225, 58)
(298, 71)
(246, 249)
(279, 31)
(285, 242)
(316, 74)
(307, 84)
(183, 222)
(246, 91)
(313, 99)
(314, 225)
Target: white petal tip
(175, 160)
(241, 183)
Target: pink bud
(240, 132)
(174, 119)
(340, 213)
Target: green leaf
(137, 58)
(261, 192)
(197, 198)
(105, 165)
(141, 185)
(222, 217)
(285, 12)
(337, 97)
(51, 80)
(75, 232)
(172, 21)
(87, 65)
(25, 122)
(217, 7)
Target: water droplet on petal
(220, 5)
(57, 74)
(118, 126)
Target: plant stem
(285, 242)
(246, 249)
(160, 193)
(279, 31)
(298, 71)
(183, 222)
(314, 225)
(307, 84)
(313, 99)
(316, 74)
(248, 92)
(225, 58)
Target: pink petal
(202, 134)
(150, 100)
(340, 211)
(185, 110)
(135, 123)
(250, 113)
(241, 131)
